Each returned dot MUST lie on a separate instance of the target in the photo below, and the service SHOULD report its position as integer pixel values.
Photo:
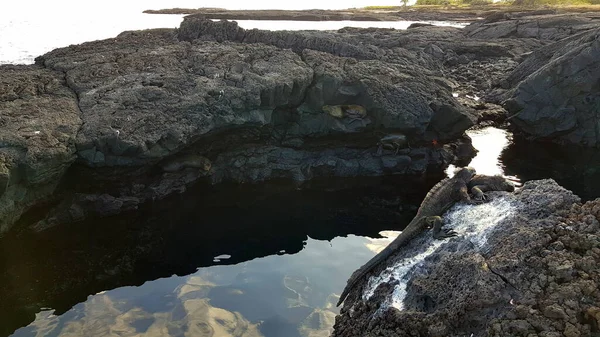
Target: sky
(64, 6)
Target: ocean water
(26, 36)
(29, 29)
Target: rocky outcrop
(38, 125)
(550, 92)
(556, 93)
(467, 66)
(151, 102)
(142, 103)
(251, 103)
(525, 264)
(274, 162)
(544, 27)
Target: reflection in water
(61, 266)
(489, 142)
(278, 295)
(576, 168)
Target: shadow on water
(284, 255)
(573, 167)
(61, 266)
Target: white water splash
(471, 222)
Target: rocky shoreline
(109, 126)
(106, 126)
(391, 13)
(398, 14)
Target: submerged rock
(525, 264)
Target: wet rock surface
(536, 275)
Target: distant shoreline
(320, 15)
(373, 13)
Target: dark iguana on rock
(439, 199)
(480, 184)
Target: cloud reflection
(279, 295)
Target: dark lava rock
(250, 102)
(540, 25)
(39, 119)
(557, 94)
(247, 101)
(418, 24)
(145, 96)
(537, 275)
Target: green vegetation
(453, 3)
(529, 3)
(506, 4)
(390, 8)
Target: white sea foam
(471, 222)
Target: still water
(284, 255)
(289, 258)
(227, 260)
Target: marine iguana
(481, 183)
(392, 142)
(186, 161)
(438, 200)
